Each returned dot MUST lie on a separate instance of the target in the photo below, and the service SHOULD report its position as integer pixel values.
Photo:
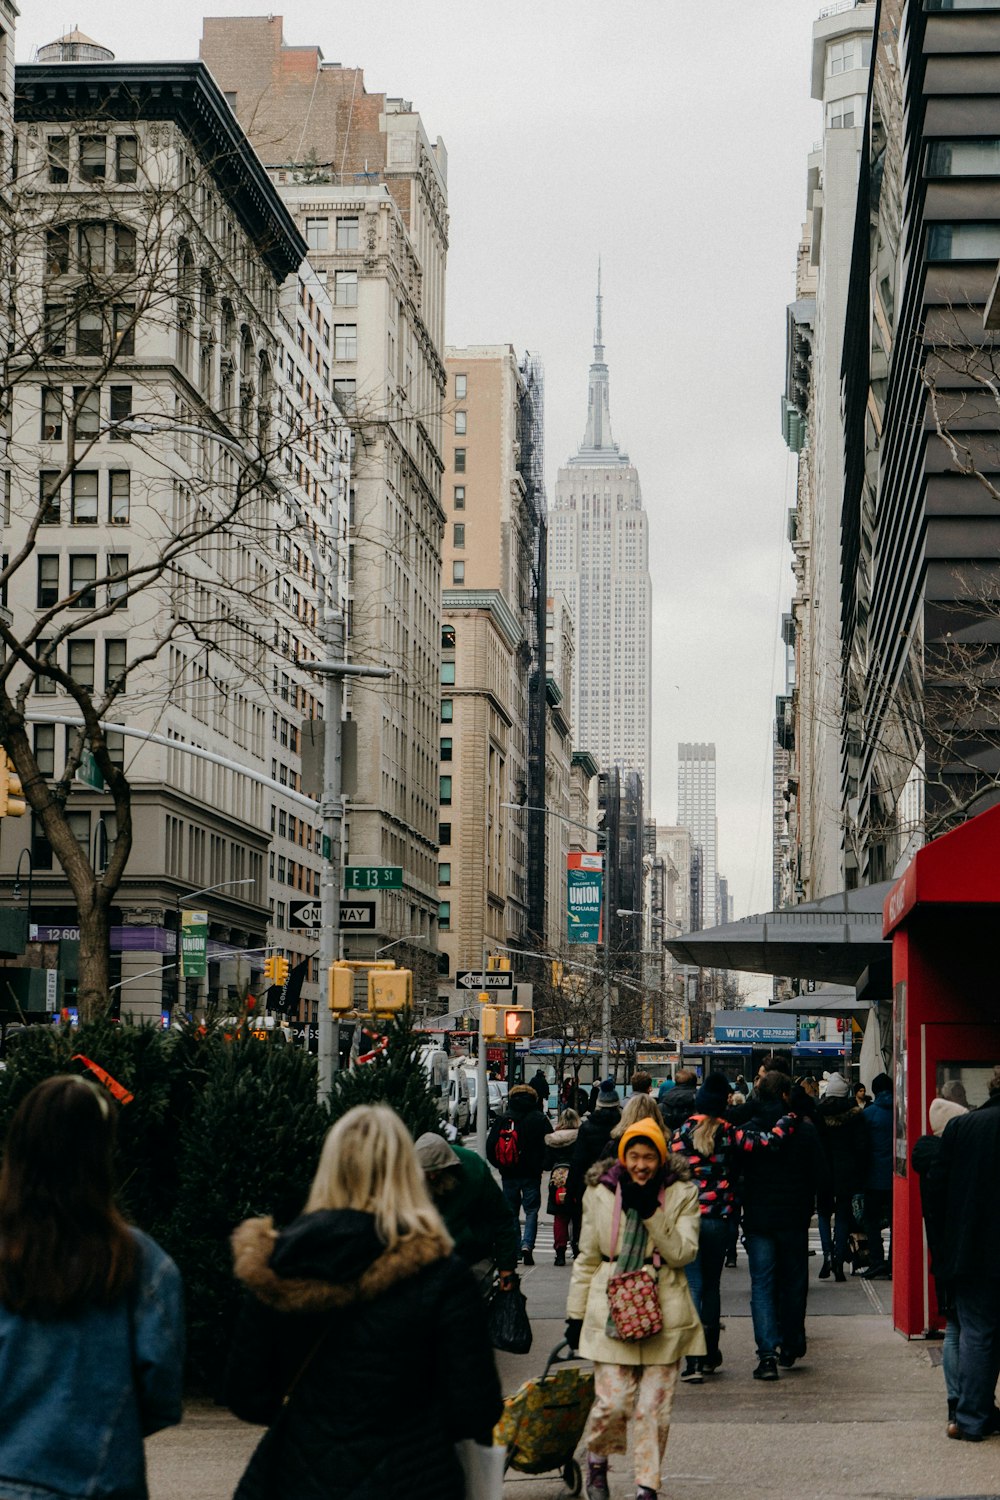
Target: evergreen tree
(395, 1076)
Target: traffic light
(12, 803)
(276, 970)
(497, 963)
(488, 1016)
(389, 990)
(518, 1021)
(340, 987)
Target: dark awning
(832, 940)
(825, 1000)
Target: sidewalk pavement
(863, 1415)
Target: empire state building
(599, 558)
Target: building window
(48, 579)
(842, 57)
(124, 248)
(447, 710)
(41, 849)
(460, 497)
(79, 826)
(56, 321)
(57, 251)
(318, 233)
(83, 580)
(52, 414)
(87, 411)
(44, 684)
(444, 834)
(93, 158)
(89, 333)
(117, 580)
(45, 748)
(348, 233)
(126, 157)
(448, 638)
(444, 786)
(81, 664)
(115, 742)
(123, 325)
(461, 387)
(345, 393)
(119, 497)
(120, 411)
(841, 114)
(444, 874)
(458, 571)
(459, 534)
(444, 916)
(446, 749)
(345, 341)
(979, 158)
(83, 488)
(963, 242)
(115, 664)
(448, 673)
(57, 152)
(459, 464)
(345, 285)
(90, 247)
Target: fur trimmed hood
(565, 1137)
(677, 1168)
(354, 1269)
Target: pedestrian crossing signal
(389, 990)
(518, 1021)
(12, 803)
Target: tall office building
(599, 558)
(696, 812)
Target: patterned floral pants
(642, 1394)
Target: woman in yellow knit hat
(630, 1309)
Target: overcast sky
(671, 139)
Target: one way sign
(476, 979)
(353, 914)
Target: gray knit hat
(608, 1098)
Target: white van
(434, 1062)
(459, 1098)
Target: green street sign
(373, 877)
(194, 944)
(327, 846)
(87, 772)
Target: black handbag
(510, 1326)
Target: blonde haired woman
(638, 1212)
(363, 1343)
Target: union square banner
(584, 896)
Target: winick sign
(584, 896)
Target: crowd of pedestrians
(372, 1301)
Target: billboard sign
(756, 1026)
(194, 944)
(584, 897)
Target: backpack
(508, 1152)
(559, 1183)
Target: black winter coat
(967, 1172)
(531, 1126)
(388, 1352)
(880, 1125)
(844, 1142)
(676, 1106)
(591, 1141)
(779, 1186)
(934, 1203)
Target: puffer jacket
(79, 1394)
(842, 1136)
(878, 1120)
(531, 1126)
(386, 1352)
(673, 1231)
(592, 1137)
(713, 1173)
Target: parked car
(498, 1098)
(434, 1062)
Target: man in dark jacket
(591, 1140)
(968, 1171)
(677, 1104)
(779, 1188)
(475, 1212)
(541, 1086)
(924, 1160)
(516, 1147)
(879, 1126)
(742, 1114)
(845, 1144)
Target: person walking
(880, 1134)
(924, 1159)
(91, 1314)
(677, 1103)
(357, 1310)
(475, 1212)
(844, 1141)
(637, 1107)
(967, 1173)
(641, 1082)
(708, 1145)
(558, 1155)
(779, 1189)
(516, 1147)
(542, 1088)
(591, 1141)
(639, 1213)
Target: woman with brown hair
(364, 1341)
(91, 1317)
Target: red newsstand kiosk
(943, 916)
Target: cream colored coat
(673, 1231)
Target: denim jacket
(78, 1395)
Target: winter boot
(527, 1257)
(560, 1259)
(692, 1371)
(952, 1414)
(645, 1493)
(825, 1269)
(597, 1477)
(713, 1359)
(767, 1368)
(838, 1271)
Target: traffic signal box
(389, 989)
(276, 970)
(508, 1023)
(12, 803)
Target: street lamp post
(16, 892)
(333, 669)
(410, 937)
